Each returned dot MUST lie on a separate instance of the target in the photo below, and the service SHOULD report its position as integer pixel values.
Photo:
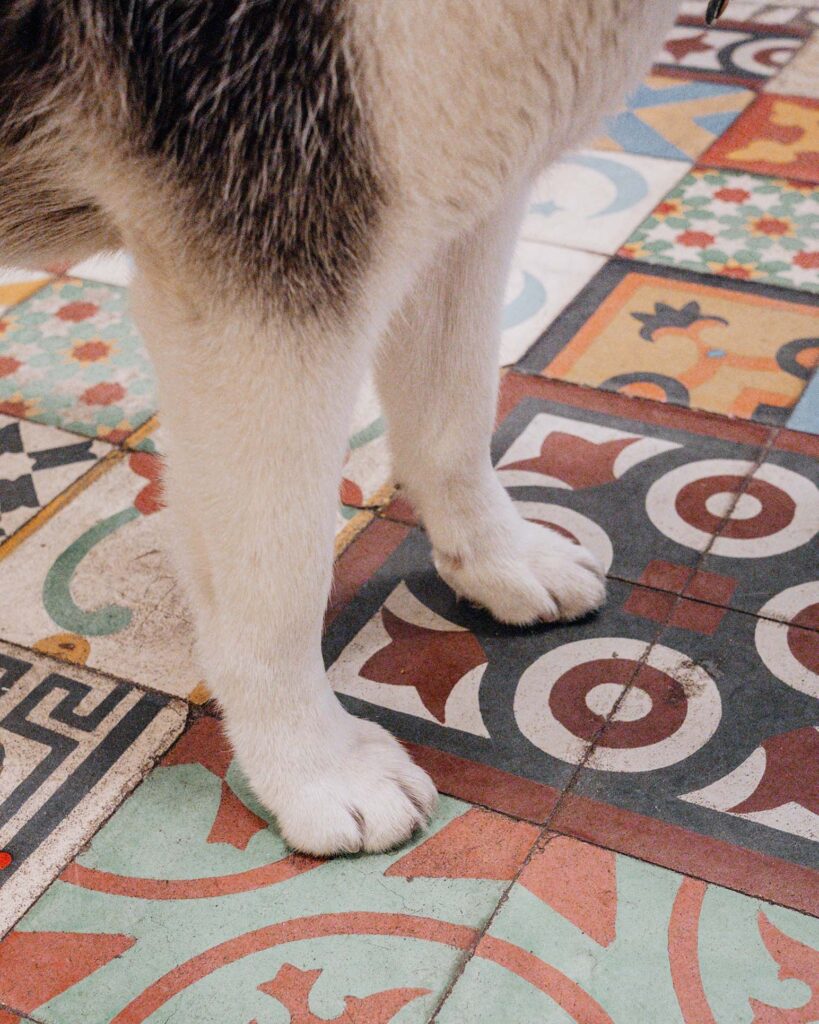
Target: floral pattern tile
(673, 119)
(726, 55)
(216, 920)
(73, 744)
(70, 357)
(590, 937)
(736, 225)
(704, 342)
(777, 135)
(592, 200)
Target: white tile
(107, 267)
(593, 201)
(801, 76)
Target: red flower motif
(4, 325)
(739, 272)
(9, 365)
(77, 311)
(806, 260)
(772, 226)
(91, 351)
(695, 239)
(667, 206)
(150, 499)
(105, 393)
(732, 195)
(19, 409)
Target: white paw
(528, 574)
(368, 795)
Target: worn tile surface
(214, 920)
(72, 745)
(694, 340)
(776, 135)
(589, 936)
(592, 200)
(736, 225)
(673, 119)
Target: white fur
(469, 98)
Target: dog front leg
(257, 417)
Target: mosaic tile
(70, 357)
(735, 225)
(36, 464)
(708, 764)
(777, 135)
(591, 937)
(543, 279)
(16, 285)
(768, 543)
(72, 744)
(673, 119)
(801, 76)
(724, 55)
(92, 585)
(592, 200)
(703, 342)
(215, 920)
(107, 267)
(806, 414)
(799, 18)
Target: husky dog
(309, 188)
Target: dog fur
(309, 188)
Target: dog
(311, 188)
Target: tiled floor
(630, 827)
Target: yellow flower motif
(733, 268)
(633, 250)
(668, 208)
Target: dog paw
(370, 799)
(532, 574)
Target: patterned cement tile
(70, 357)
(806, 414)
(722, 55)
(543, 280)
(704, 342)
(92, 586)
(736, 225)
(72, 744)
(673, 119)
(776, 135)
(589, 937)
(214, 921)
(710, 769)
(108, 268)
(790, 18)
(16, 285)
(766, 550)
(592, 200)
(36, 464)
(801, 76)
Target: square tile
(74, 743)
(587, 935)
(672, 118)
(70, 357)
(776, 135)
(36, 464)
(708, 761)
(17, 284)
(92, 584)
(215, 920)
(703, 342)
(543, 280)
(796, 18)
(768, 543)
(801, 76)
(735, 225)
(725, 55)
(106, 267)
(592, 200)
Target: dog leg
(438, 375)
(257, 420)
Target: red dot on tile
(5, 859)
